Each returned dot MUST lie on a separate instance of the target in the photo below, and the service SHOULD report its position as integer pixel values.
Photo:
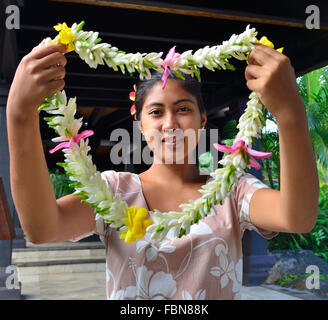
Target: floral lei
(131, 221)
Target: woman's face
(171, 115)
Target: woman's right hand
(39, 75)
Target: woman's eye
(156, 112)
(185, 108)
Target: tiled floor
(261, 293)
(84, 286)
(65, 286)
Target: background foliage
(60, 182)
(313, 88)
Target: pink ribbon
(169, 60)
(240, 144)
(78, 137)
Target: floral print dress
(205, 264)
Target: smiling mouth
(172, 141)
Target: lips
(173, 135)
(169, 139)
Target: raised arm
(293, 209)
(43, 218)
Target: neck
(178, 174)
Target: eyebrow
(175, 103)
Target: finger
(259, 56)
(44, 51)
(53, 74)
(53, 59)
(55, 86)
(253, 71)
(253, 84)
(270, 51)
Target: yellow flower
(66, 36)
(137, 223)
(266, 42)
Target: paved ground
(83, 286)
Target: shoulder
(246, 186)
(110, 176)
(121, 181)
(248, 180)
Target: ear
(140, 125)
(203, 119)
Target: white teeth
(170, 140)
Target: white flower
(225, 270)
(152, 286)
(200, 295)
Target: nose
(169, 122)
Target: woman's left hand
(271, 75)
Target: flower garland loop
(131, 221)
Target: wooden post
(19, 240)
(7, 230)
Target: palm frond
(320, 146)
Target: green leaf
(159, 228)
(60, 182)
(122, 68)
(43, 106)
(84, 44)
(230, 67)
(68, 133)
(320, 145)
(197, 73)
(192, 62)
(58, 101)
(179, 74)
(225, 56)
(49, 119)
(80, 26)
(98, 40)
(228, 142)
(182, 232)
(313, 84)
(297, 245)
(53, 126)
(198, 216)
(148, 64)
(306, 242)
(230, 130)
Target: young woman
(207, 263)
